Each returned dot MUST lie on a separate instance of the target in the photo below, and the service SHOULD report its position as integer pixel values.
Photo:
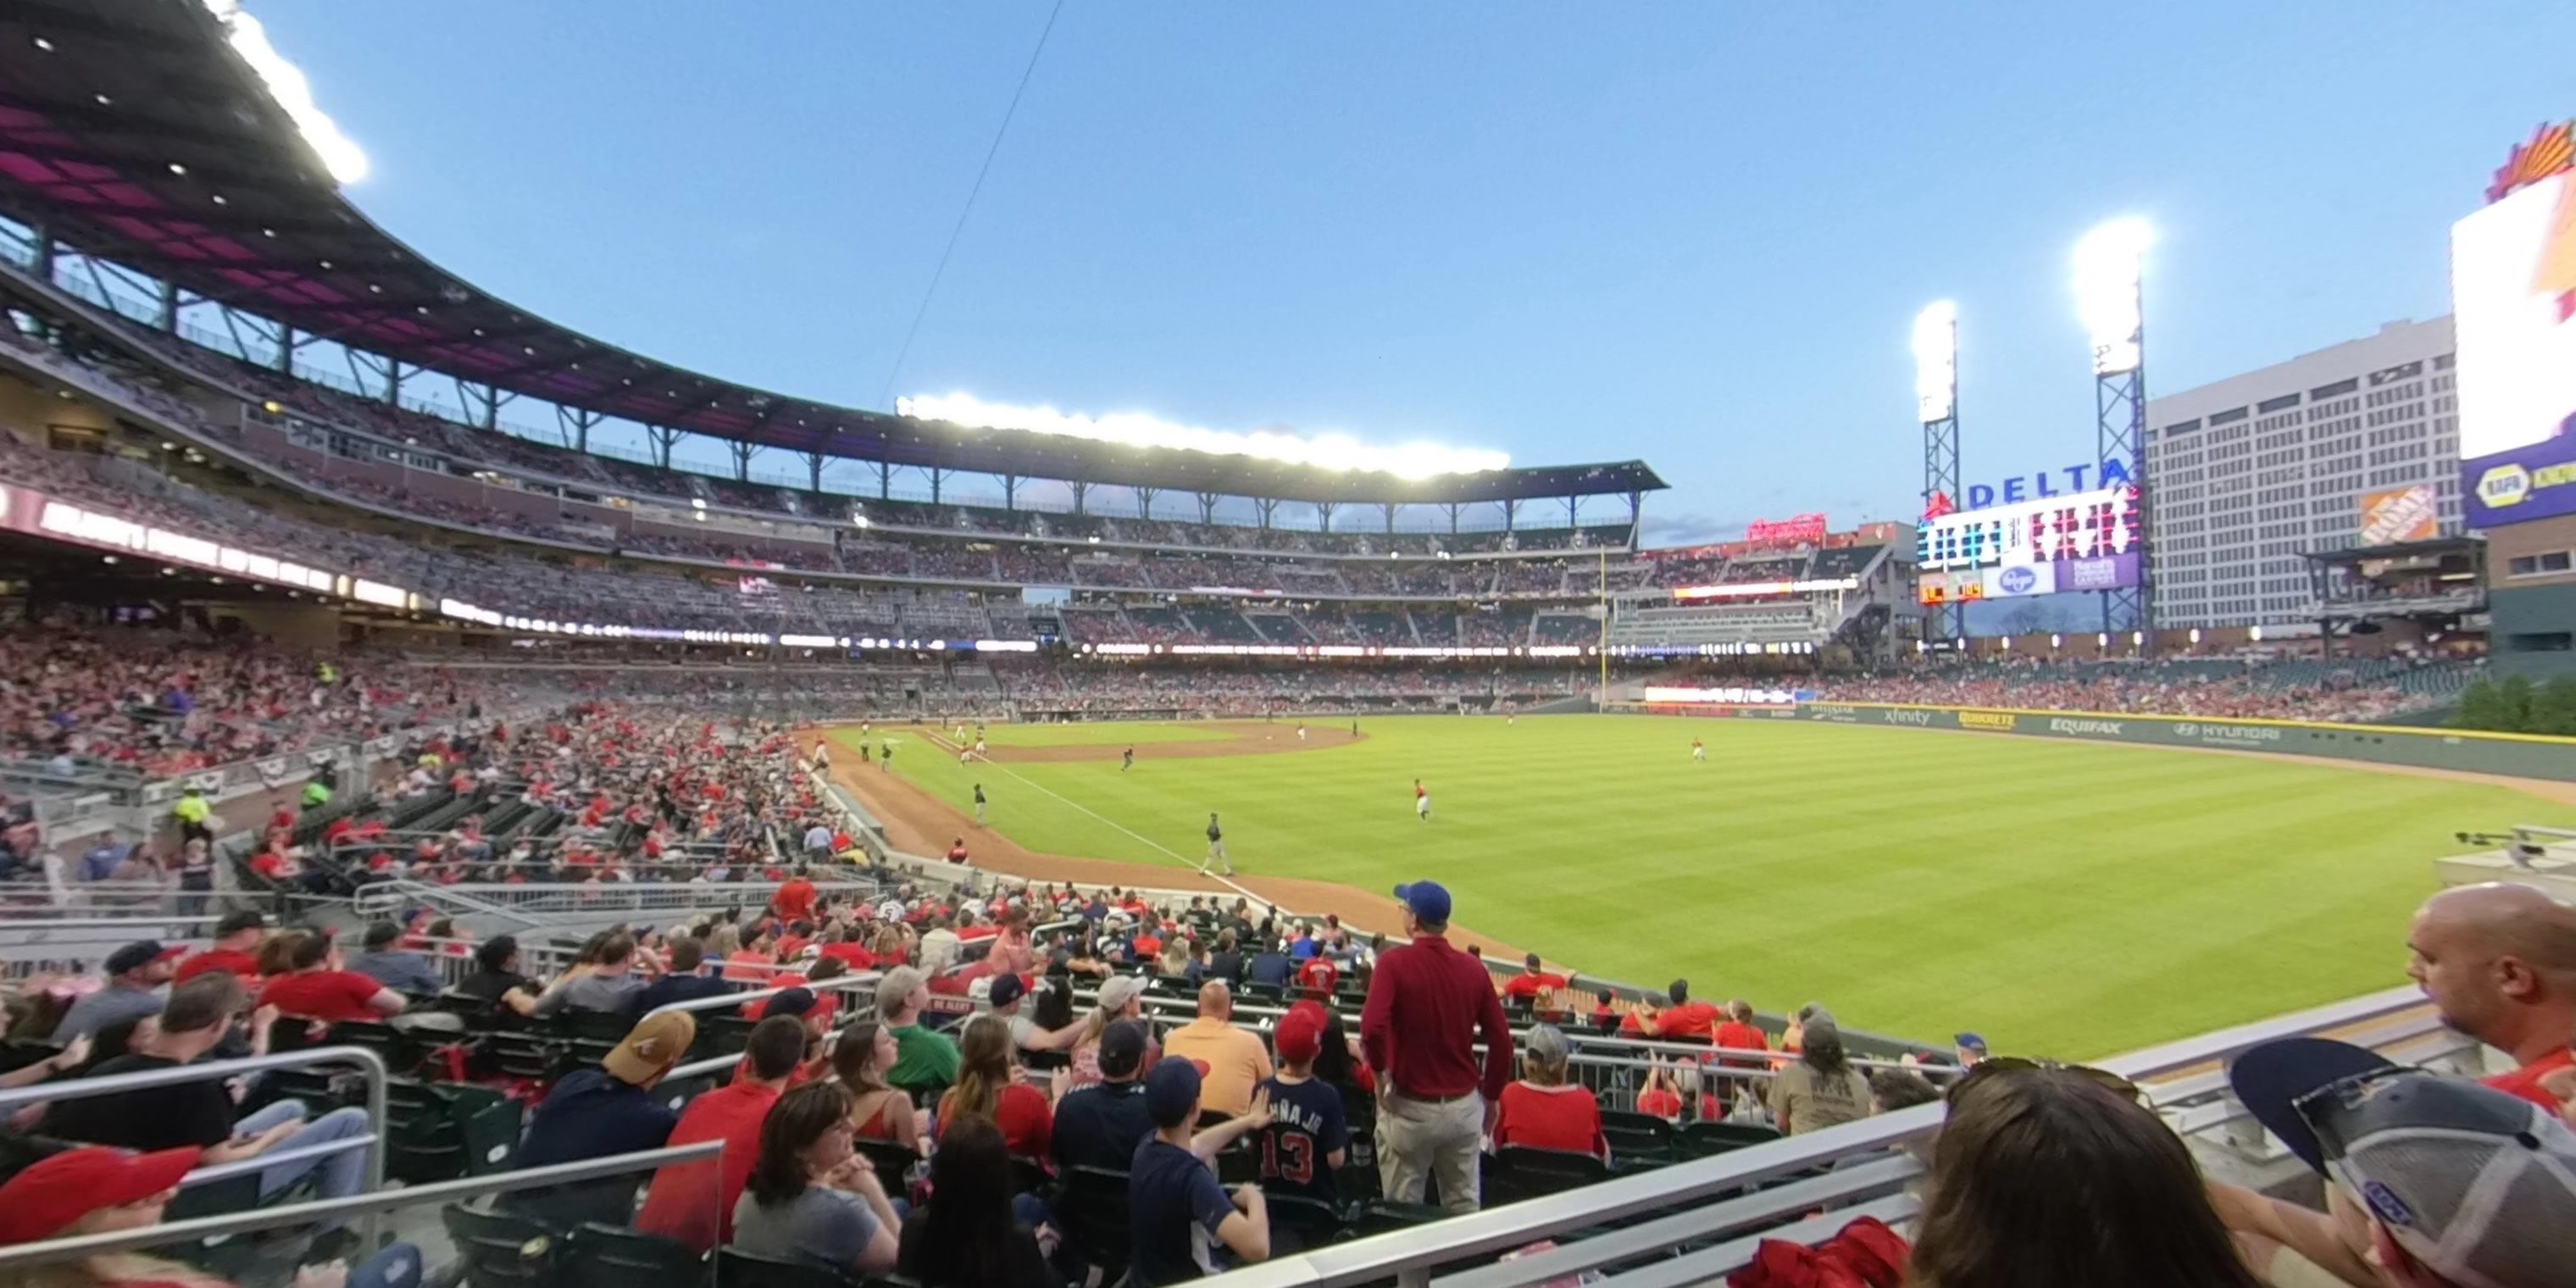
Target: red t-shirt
(795, 900)
(1316, 975)
(332, 995)
(1564, 1118)
(1688, 1020)
(1021, 1112)
(1742, 1037)
(1530, 984)
(693, 1202)
(1659, 1102)
(2525, 1081)
(239, 963)
(859, 958)
(745, 965)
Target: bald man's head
(1216, 1001)
(2499, 962)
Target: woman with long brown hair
(988, 1086)
(2045, 1177)
(811, 1198)
(877, 1111)
(970, 1236)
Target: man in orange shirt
(693, 1202)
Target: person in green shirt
(316, 793)
(923, 1060)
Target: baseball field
(2061, 898)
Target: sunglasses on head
(1995, 1066)
(2347, 1092)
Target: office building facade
(2247, 472)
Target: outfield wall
(2513, 754)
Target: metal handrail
(836, 984)
(720, 1063)
(1585, 1043)
(368, 1062)
(369, 1206)
(1409, 1256)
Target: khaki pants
(1416, 1138)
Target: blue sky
(1690, 233)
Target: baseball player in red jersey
(1699, 752)
(1421, 802)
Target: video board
(2513, 299)
(2081, 541)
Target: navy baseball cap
(2270, 1079)
(1970, 1042)
(1426, 900)
(1172, 1091)
(1122, 1048)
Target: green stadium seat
(501, 1250)
(609, 1256)
(738, 1269)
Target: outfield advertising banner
(2521, 756)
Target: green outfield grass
(2060, 897)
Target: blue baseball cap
(1172, 1091)
(1426, 900)
(1970, 1042)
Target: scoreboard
(2080, 541)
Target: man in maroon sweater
(1427, 1005)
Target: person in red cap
(100, 1190)
(1307, 1137)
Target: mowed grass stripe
(2061, 897)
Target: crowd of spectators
(2267, 686)
(1005, 1030)
(162, 703)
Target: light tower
(2107, 296)
(1936, 405)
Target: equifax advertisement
(2513, 293)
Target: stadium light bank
(2106, 291)
(292, 91)
(1134, 429)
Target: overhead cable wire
(885, 397)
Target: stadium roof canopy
(132, 132)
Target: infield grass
(2061, 898)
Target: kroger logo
(2017, 581)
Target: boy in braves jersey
(1307, 1136)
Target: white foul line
(1225, 881)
